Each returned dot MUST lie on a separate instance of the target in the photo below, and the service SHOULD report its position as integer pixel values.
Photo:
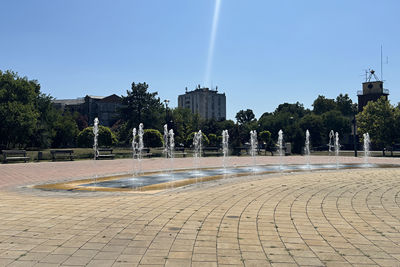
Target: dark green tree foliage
(315, 125)
(18, 114)
(265, 137)
(296, 109)
(379, 120)
(334, 120)
(286, 118)
(140, 106)
(245, 116)
(322, 105)
(183, 123)
(66, 131)
(345, 105)
(213, 140)
(152, 138)
(106, 137)
(45, 131)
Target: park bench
(180, 151)
(238, 150)
(145, 152)
(105, 153)
(207, 151)
(14, 155)
(64, 153)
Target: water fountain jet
(197, 146)
(337, 149)
(95, 143)
(253, 147)
(280, 148)
(307, 149)
(367, 143)
(140, 148)
(225, 148)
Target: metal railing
(384, 91)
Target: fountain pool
(156, 181)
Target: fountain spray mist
(366, 147)
(95, 143)
(140, 147)
(134, 151)
(253, 147)
(171, 147)
(212, 41)
(280, 148)
(225, 147)
(337, 149)
(307, 149)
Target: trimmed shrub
(106, 137)
(189, 140)
(152, 138)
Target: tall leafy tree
(315, 125)
(345, 105)
(66, 131)
(322, 105)
(44, 132)
(245, 116)
(379, 120)
(141, 106)
(18, 114)
(184, 122)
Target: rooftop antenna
(372, 73)
(381, 66)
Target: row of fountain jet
(169, 147)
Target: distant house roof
(95, 97)
(112, 99)
(68, 102)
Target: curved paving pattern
(335, 218)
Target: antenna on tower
(372, 73)
(381, 66)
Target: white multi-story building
(209, 104)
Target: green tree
(66, 131)
(345, 105)
(18, 114)
(334, 120)
(140, 106)
(314, 124)
(213, 139)
(294, 109)
(152, 138)
(266, 139)
(245, 116)
(379, 120)
(183, 123)
(45, 130)
(322, 105)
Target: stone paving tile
(330, 218)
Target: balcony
(384, 91)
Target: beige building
(209, 104)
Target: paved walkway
(331, 218)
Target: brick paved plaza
(319, 218)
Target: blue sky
(266, 52)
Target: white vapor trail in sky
(212, 42)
